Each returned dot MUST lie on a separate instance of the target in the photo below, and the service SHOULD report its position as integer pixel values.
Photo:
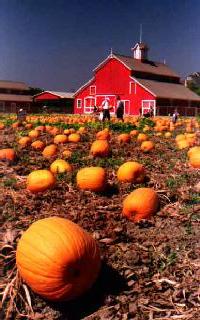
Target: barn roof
(15, 97)
(146, 66)
(168, 90)
(60, 94)
(5, 84)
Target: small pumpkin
(60, 166)
(147, 146)
(38, 145)
(34, 134)
(2, 126)
(74, 137)
(193, 150)
(58, 259)
(60, 138)
(182, 144)
(103, 134)
(67, 154)
(49, 151)
(142, 137)
(131, 172)
(140, 204)
(134, 133)
(24, 141)
(40, 180)
(124, 138)
(91, 178)
(100, 148)
(7, 154)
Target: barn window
(79, 103)
(92, 90)
(132, 87)
(2, 106)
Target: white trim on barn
(146, 104)
(83, 86)
(137, 81)
(89, 109)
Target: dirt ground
(150, 270)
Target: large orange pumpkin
(100, 148)
(49, 151)
(140, 204)
(103, 134)
(40, 180)
(58, 259)
(60, 166)
(131, 172)
(7, 154)
(91, 178)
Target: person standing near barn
(120, 109)
(106, 109)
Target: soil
(150, 269)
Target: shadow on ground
(110, 282)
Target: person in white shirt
(106, 106)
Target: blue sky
(55, 45)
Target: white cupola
(140, 51)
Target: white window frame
(2, 106)
(77, 103)
(89, 109)
(131, 86)
(149, 102)
(92, 88)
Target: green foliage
(10, 182)
(145, 122)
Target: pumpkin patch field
(99, 221)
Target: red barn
(140, 83)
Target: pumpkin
(72, 130)
(91, 178)
(60, 138)
(2, 126)
(49, 151)
(134, 133)
(67, 154)
(67, 131)
(7, 154)
(15, 125)
(103, 134)
(40, 128)
(28, 126)
(124, 137)
(38, 145)
(74, 137)
(40, 180)
(140, 204)
(60, 166)
(182, 144)
(34, 133)
(100, 148)
(24, 141)
(147, 146)
(195, 160)
(168, 134)
(58, 259)
(131, 172)
(193, 150)
(54, 131)
(142, 137)
(82, 130)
